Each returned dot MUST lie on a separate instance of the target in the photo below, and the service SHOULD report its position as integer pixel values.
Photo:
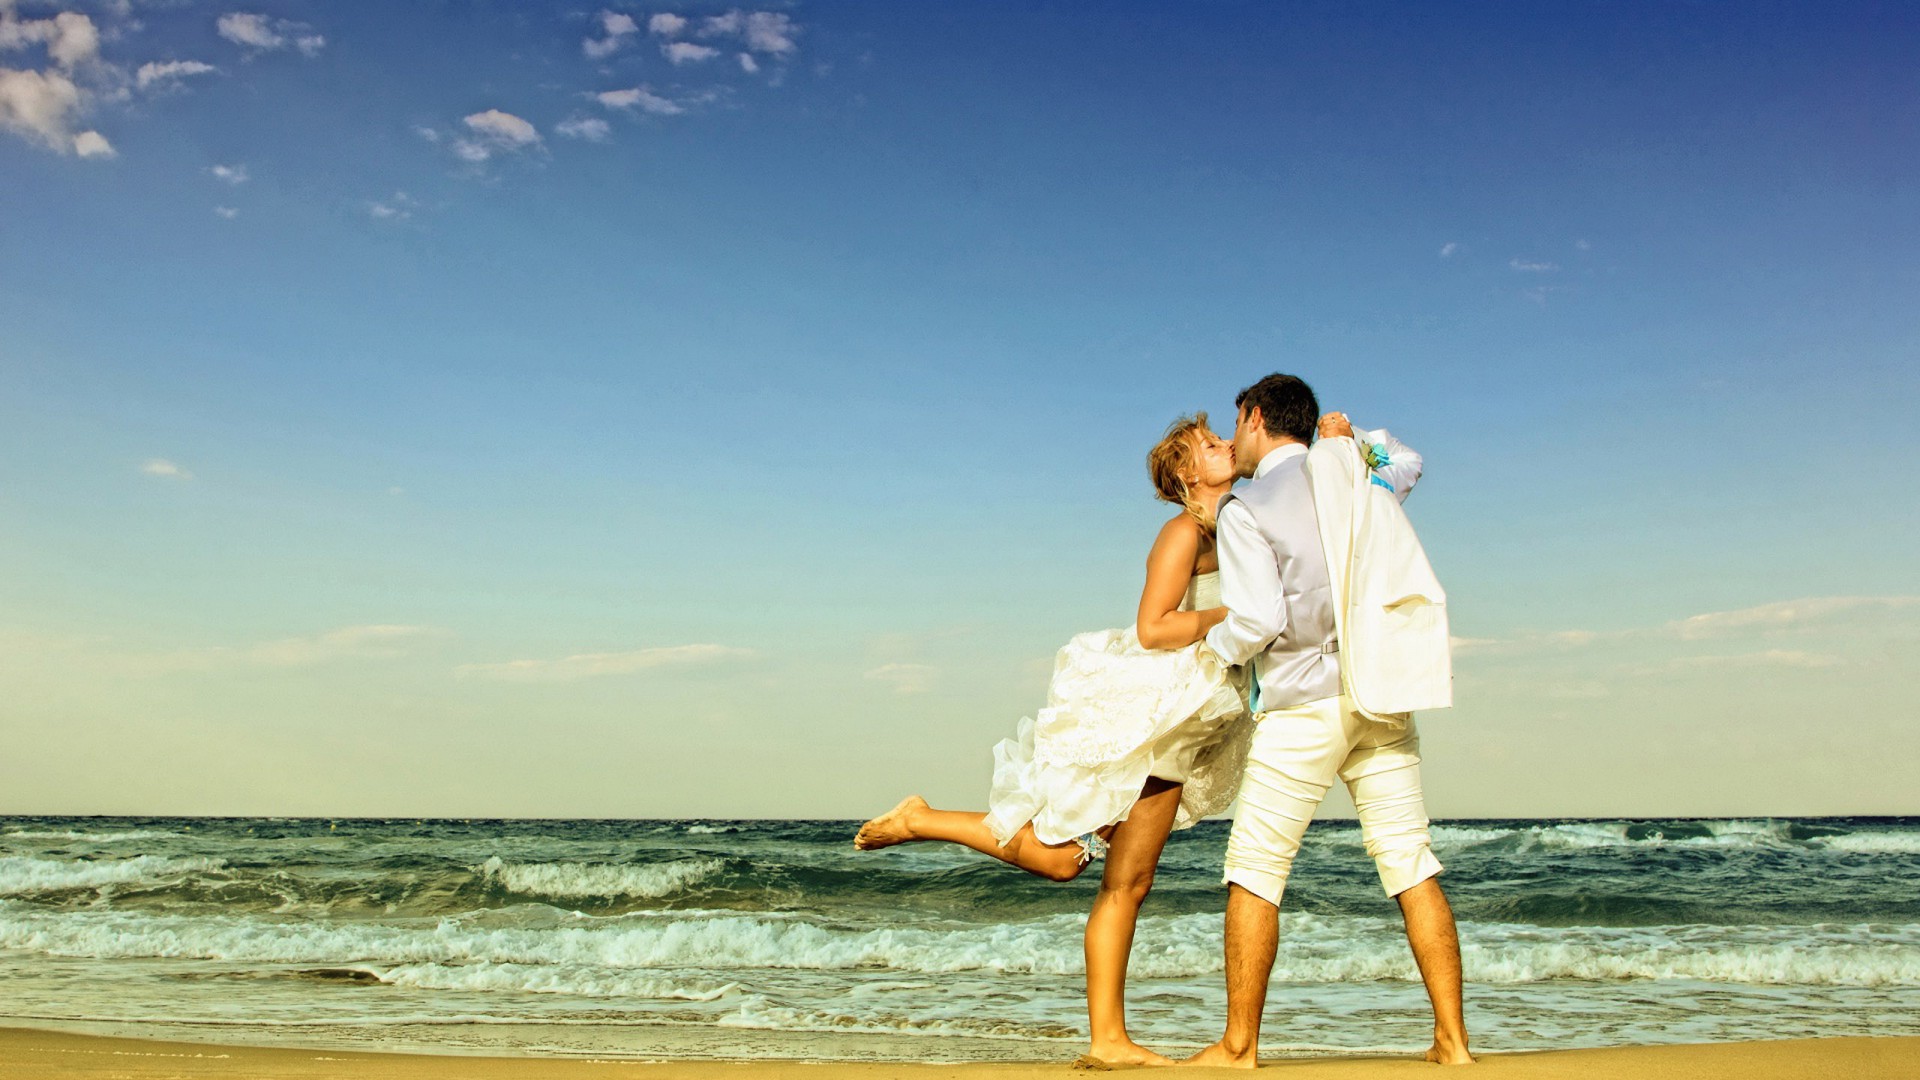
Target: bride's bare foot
(1119, 1055)
(1218, 1056)
(890, 828)
(1448, 1054)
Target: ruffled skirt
(1116, 714)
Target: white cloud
(714, 25)
(1774, 658)
(70, 38)
(92, 144)
(494, 132)
(254, 31)
(1785, 614)
(1526, 267)
(232, 174)
(348, 642)
(502, 127)
(770, 32)
(747, 63)
(169, 73)
(1781, 617)
(686, 52)
(398, 208)
(666, 24)
(590, 128)
(639, 97)
(593, 665)
(426, 133)
(261, 34)
(227, 212)
(1582, 245)
(1449, 250)
(163, 468)
(617, 27)
(904, 678)
(41, 106)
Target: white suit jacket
(1389, 610)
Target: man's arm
(1249, 587)
(1402, 468)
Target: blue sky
(365, 363)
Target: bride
(1143, 733)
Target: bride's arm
(1160, 623)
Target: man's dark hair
(1286, 404)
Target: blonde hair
(1174, 455)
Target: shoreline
(39, 1054)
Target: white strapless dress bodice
(1116, 714)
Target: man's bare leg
(1253, 938)
(1133, 851)
(913, 820)
(1436, 948)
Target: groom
(1280, 620)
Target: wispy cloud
(374, 641)
(641, 98)
(169, 73)
(686, 52)
(1773, 658)
(228, 212)
(1780, 617)
(1529, 267)
(666, 24)
(1449, 249)
(904, 678)
(590, 128)
(398, 207)
(164, 469)
(769, 32)
(232, 174)
(595, 665)
(259, 33)
(616, 28)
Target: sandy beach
(43, 1055)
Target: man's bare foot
(1449, 1054)
(890, 828)
(1218, 1056)
(1119, 1055)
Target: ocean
(730, 939)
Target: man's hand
(1335, 425)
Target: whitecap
(24, 876)
(589, 880)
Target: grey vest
(1302, 664)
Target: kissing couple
(1287, 630)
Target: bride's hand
(1335, 425)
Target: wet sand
(27, 1054)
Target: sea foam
(578, 881)
(23, 876)
(1322, 949)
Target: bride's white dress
(1116, 714)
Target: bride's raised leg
(913, 820)
(1133, 852)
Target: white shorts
(1297, 754)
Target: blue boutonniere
(1376, 455)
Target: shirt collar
(1277, 455)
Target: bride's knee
(1129, 887)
